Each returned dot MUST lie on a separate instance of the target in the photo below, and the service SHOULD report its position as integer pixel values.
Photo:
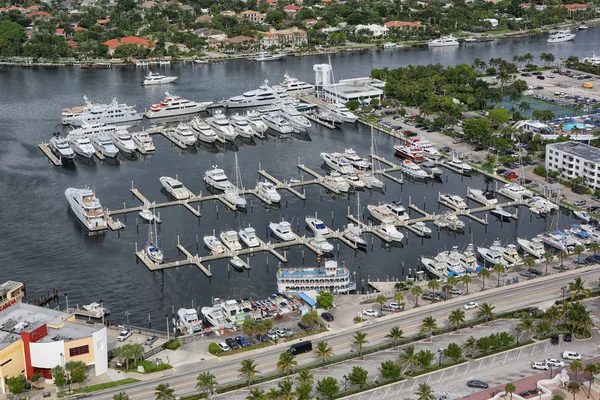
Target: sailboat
(354, 233)
(152, 249)
(369, 177)
(231, 193)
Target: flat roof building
(575, 159)
(354, 89)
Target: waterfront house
(374, 30)
(400, 25)
(253, 16)
(291, 9)
(293, 37)
(114, 44)
(210, 34)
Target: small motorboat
(316, 226)
(389, 231)
(147, 215)
(422, 229)
(355, 235)
(268, 191)
(282, 231)
(499, 213)
(321, 244)
(230, 240)
(355, 181)
(237, 263)
(214, 244)
(582, 215)
(248, 237)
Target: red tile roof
(59, 31)
(291, 7)
(572, 6)
(103, 21)
(39, 14)
(115, 43)
(403, 24)
(72, 44)
(79, 29)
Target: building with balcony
(573, 160)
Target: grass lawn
(100, 386)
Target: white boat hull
(168, 79)
(173, 113)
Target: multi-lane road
(541, 292)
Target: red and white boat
(410, 152)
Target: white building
(354, 89)
(374, 29)
(575, 159)
(549, 133)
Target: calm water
(46, 246)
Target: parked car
(327, 316)
(470, 305)
(446, 149)
(370, 312)
(527, 274)
(555, 339)
(554, 362)
(510, 175)
(386, 307)
(571, 355)
(232, 343)
(261, 337)
(428, 296)
(456, 292)
(458, 140)
(540, 365)
(477, 384)
(124, 335)
(223, 346)
(272, 334)
(305, 328)
(567, 337)
(540, 77)
(150, 341)
(396, 306)
(579, 203)
(478, 148)
(579, 190)
(536, 271)
(242, 341)
(560, 267)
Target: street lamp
(564, 289)
(345, 381)
(441, 351)
(168, 334)
(518, 334)
(127, 314)
(69, 381)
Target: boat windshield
(320, 225)
(177, 186)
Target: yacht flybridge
(263, 96)
(87, 208)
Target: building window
(6, 362)
(77, 351)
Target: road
(540, 292)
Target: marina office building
(575, 159)
(33, 340)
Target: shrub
(36, 377)
(173, 344)
(214, 349)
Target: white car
(554, 362)
(540, 365)
(124, 335)
(224, 346)
(395, 305)
(370, 313)
(470, 305)
(571, 355)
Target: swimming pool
(569, 127)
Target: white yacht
(105, 146)
(124, 142)
(263, 96)
(412, 170)
(232, 195)
(455, 201)
(295, 118)
(338, 162)
(152, 249)
(431, 169)
(436, 266)
(157, 79)
(355, 182)
(254, 118)
(591, 230)
(241, 126)
(295, 86)
(113, 113)
(423, 229)
(248, 237)
(468, 259)
(321, 244)
(444, 41)
(449, 220)
(515, 191)
(184, 134)
(483, 196)
(389, 231)
(501, 214)
(230, 240)
(96, 309)
(540, 205)
(173, 105)
(325, 115)
(221, 126)
(282, 230)
(174, 188)
(432, 153)
(582, 215)
(336, 181)
(453, 265)
(355, 235)
(91, 130)
(214, 244)
(87, 208)
(277, 123)
(342, 112)
(316, 226)
(381, 213)
(214, 316)
(146, 214)
(359, 163)
(266, 56)
(370, 180)
(493, 255)
(83, 147)
(267, 190)
(410, 152)
(563, 35)
(203, 131)
(216, 178)
(144, 142)
(62, 148)
(397, 209)
(511, 255)
(460, 165)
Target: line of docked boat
(350, 167)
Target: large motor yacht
(411, 153)
(157, 79)
(221, 126)
(444, 41)
(254, 118)
(203, 131)
(381, 213)
(173, 105)
(241, 126)
(174, 188)
(82, 146)
(113, 113)
(483, 196)
(230, 240)
(184, 134)
(263, 96)
(62, 148)
(266, 56)
(359, 163)
(460, 165)
(282, 231)
(493, 255)
(216, 178)
(412, 170)
(124, 142)
(295, 86)
(144, 142)
(295, 118)
(454, 200)
(88, 129)
(87, 208)
(563, 35)
(342, 112)
(248, 237)
(398, 209)
(535, 246)
(105, 145)
(214, 244)
(515, 191)
(267, 190)
(338, 162)
(277, 123)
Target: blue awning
(307, 299)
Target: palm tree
(576, 366)
(561, 256)
(471, 345)
(510, 388)
(305, 376)
(526, 326)
(483, 273)
(590, 369)
(574, 388)
(121, 396)
(399, 298)
(323, 351)
(272, 394)
(424, 392)
(577, 288)
(528, 262)
(457, 318)
(552, 315)
(381, 300)
(285, 390)
(499, 269)
(360, 338)
(206, 383)
(256, 394)
(164, 392)
(248, 370)
(286, 363)
(524, 106)
(485, 311)
(577, 250)
(433, 284)
(429, 325)
(416, 291)
(548, 257)
(408, 358)
(594, 246)
(465, 280)
(395, 334)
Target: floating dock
(45, 148)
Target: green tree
(121, 396)
(433, 284)
(557, 397)
(358, 376)
(381, 300)
(248, 370)
(573, 388)
(285, 390)
(164, 392)
(425, 358)
(76, 370)
(250, 328)
(471, 345)
(457, 318)
(577, 367)
(577, 288)
(485, 311)
(428, 325)
(510, 389)
(577, 250)
(328, 387)
(499, 269)
(324, 300)
(408, 358)
(548, 257)
(59, 376)
(323, 351)
(390, 370)
(256, 394)
(528, 262)
(353, 104)
(483, 273)
(206, 383)
(590, 369)
(424, 392)
(453, 351)
(543, 327)
(500, 116)
(416, 291)
(465, 280)
(360, 339)
(395, 334)
(16, 384)
(526, 326)
(476, 129)
(304, 391)
(286, 363)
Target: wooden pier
(316, 120)
(281, 185)
(45, 148)
(320, 180)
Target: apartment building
(575, 159)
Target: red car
(510, 175)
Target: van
(299, 348)
(571, 355)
